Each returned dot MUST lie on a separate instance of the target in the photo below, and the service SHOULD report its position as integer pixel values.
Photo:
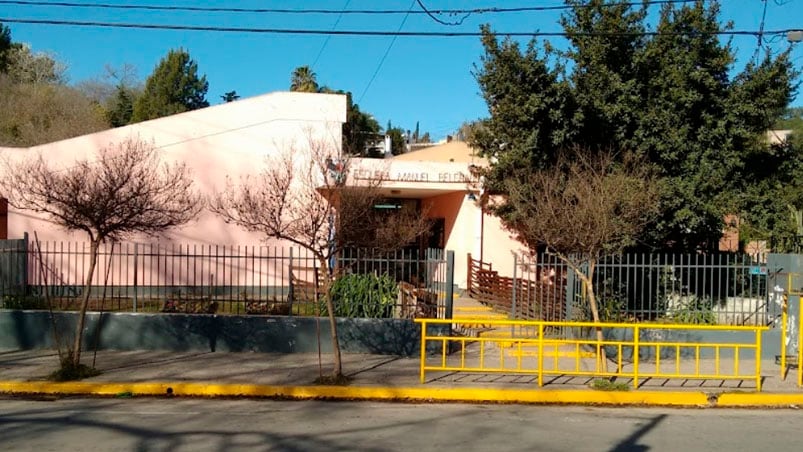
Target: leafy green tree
(5, 46)
(121, 109)
(792, 119)
(397, 144)
(174, 87)
(668, 97)
(531, 107)
(605, 39)
(468, 130)
(115, 92)
(359, 130)
(229, 96)
(304, 80)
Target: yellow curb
(361, 392)
(736, 399)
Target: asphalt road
(224, 425)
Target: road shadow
(631, 443)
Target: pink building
(234, 139)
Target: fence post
(635, 356)
(513, 299)
(758, 359)
(136, 253)
(570, 285)
(449, 284)
(468, 273)
(540, 354)
(290, 282)
(24, 264)
(422, 362)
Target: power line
(438, 19)
(760, 36)
(387, 51)
(489, 10)
(431, 34)
(334, 27)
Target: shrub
(23, 302)
(364, 295)
(694, 311)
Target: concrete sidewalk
(373, 377)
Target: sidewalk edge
(549, 396)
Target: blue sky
(423, 79)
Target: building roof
(454, 151)
(243, 117)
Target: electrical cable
(387, 51)
(489, 10)
(760, 35)
(443, 34)
(328, 37)
(439, 20)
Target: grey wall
(770, 342)
(181, 332)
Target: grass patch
(124, 395)
(602, 384)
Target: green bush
(364, 295)
(23, 302)
(695, 311)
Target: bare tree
(316, 205)
(125, 190)
(586, 206)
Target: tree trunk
(79, 332)
(592, 302)
(337, 371)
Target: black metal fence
(725, 289)
(203, 278)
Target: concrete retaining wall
(227, 333)
(770, 342)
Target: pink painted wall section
(238, 139)
(499, 246)
(232, 139)
(168, 265)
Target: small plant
(364, 295)
(602, 384)
(70, 371)
(694, 311)
(613, 310)
(22, 302)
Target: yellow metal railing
(534, 353)
(791, 289)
